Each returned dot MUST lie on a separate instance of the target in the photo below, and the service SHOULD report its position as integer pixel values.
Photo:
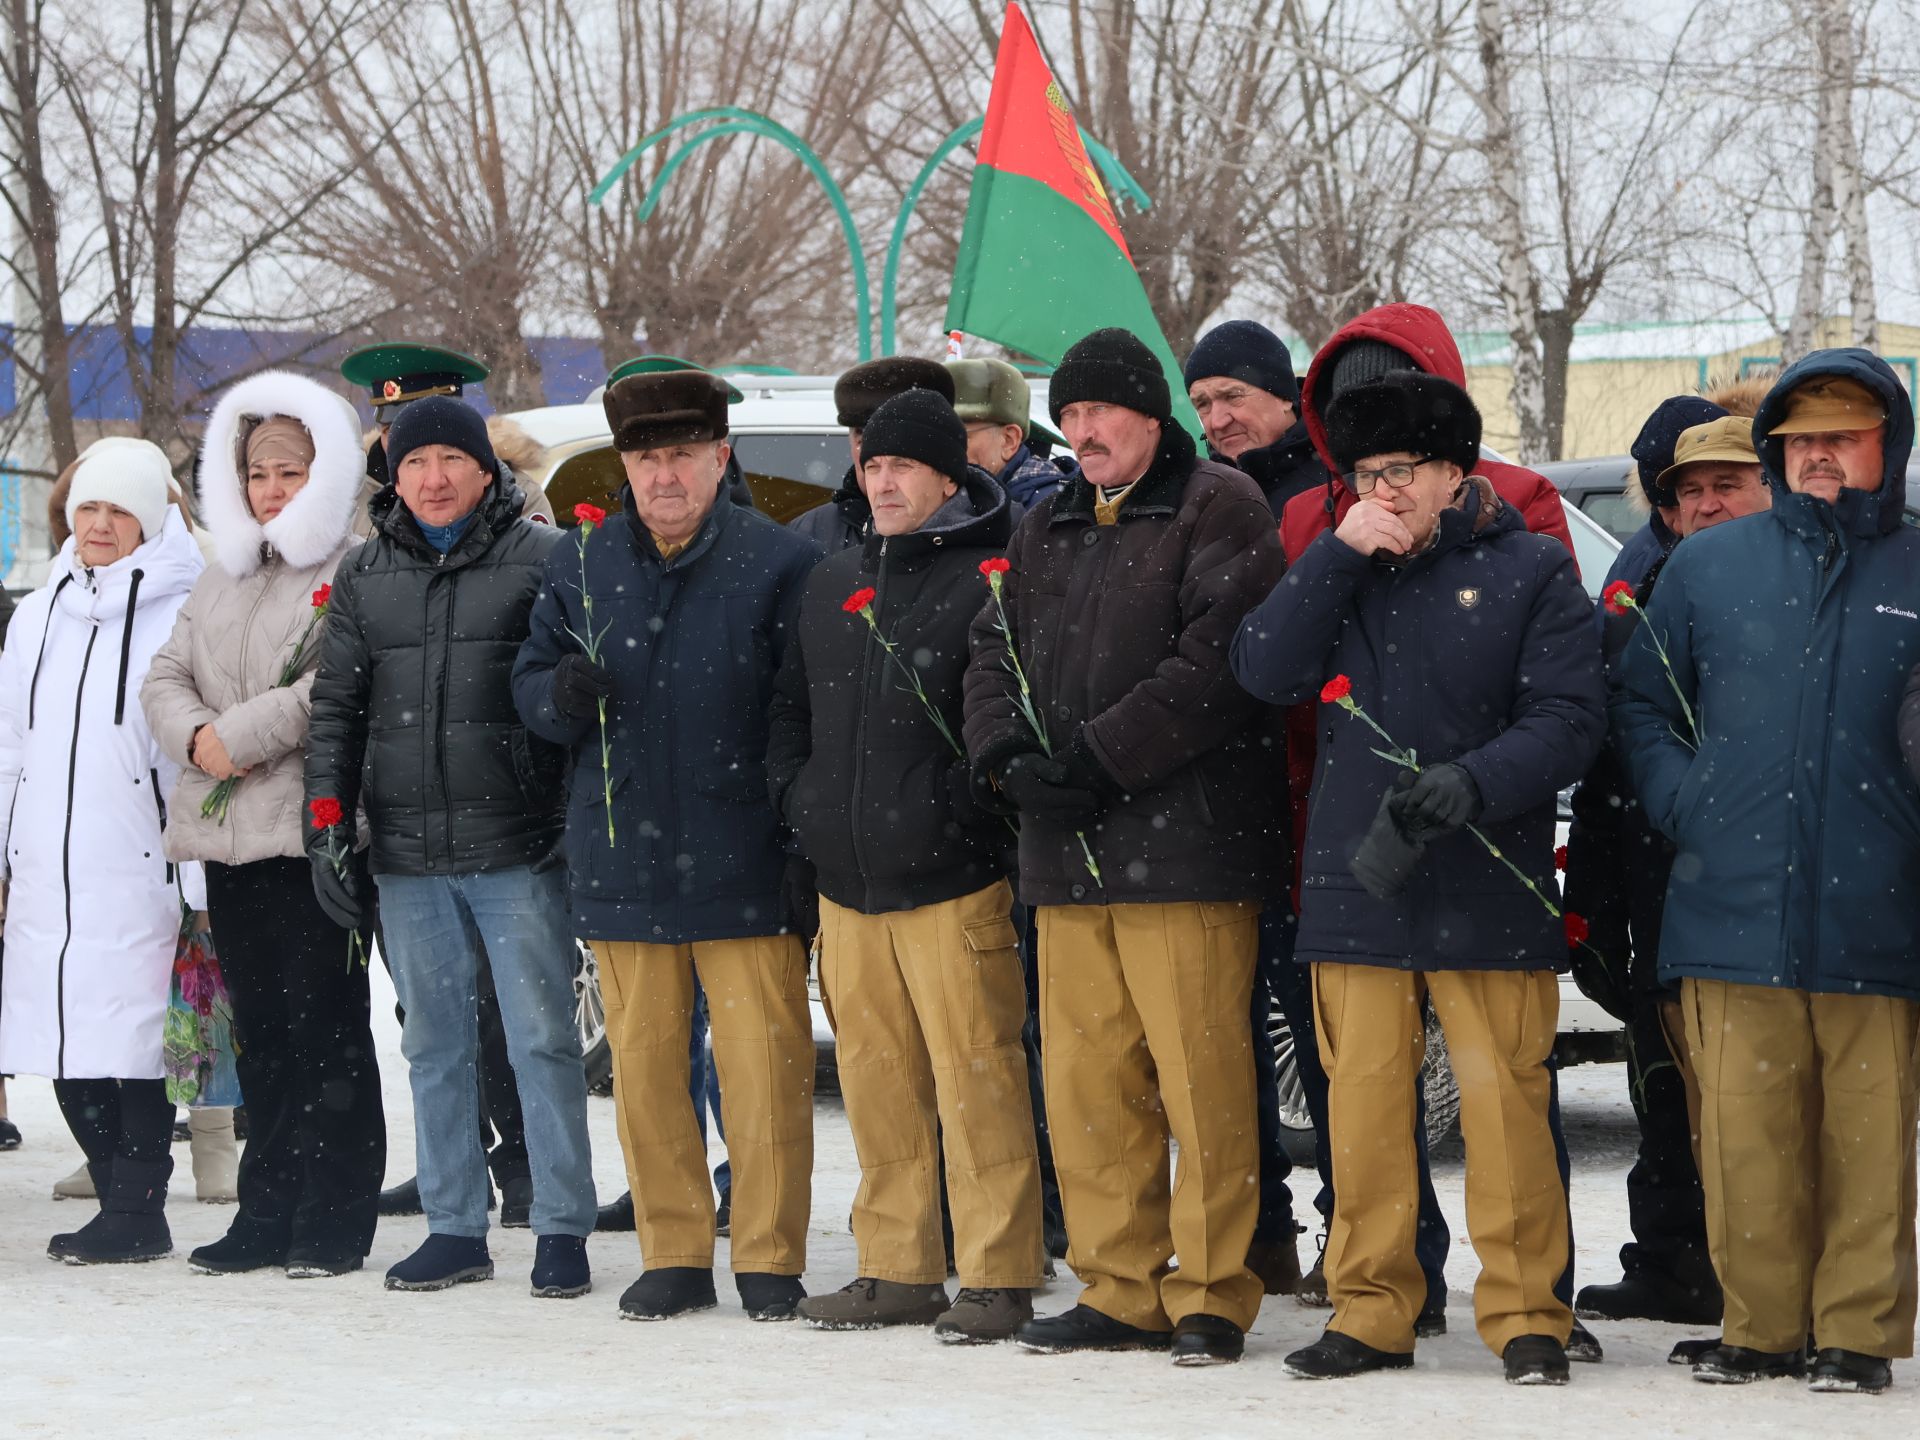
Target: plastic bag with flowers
(198, 1046)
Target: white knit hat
(133, 474)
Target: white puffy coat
(93, 905)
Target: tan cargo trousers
(763, 1048)
(1807, 1158)
(1144, 1033)
(1499, 1026)
(927, 1008)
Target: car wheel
(1296, 1122)
(590, 1018)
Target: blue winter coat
(1791, 633)
(694, 645)
(1480, 650)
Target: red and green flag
(1042, 261)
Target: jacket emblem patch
(1468, 596)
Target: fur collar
(320, 518)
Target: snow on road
(153, 1350)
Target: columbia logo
(1895, 610)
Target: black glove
(800, 895)
(579, 686)
(962, 803)
(1046, 788)
(1085, 772)
(1388, 855)
(1440, 801)
(338, 894)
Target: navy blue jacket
(1645, 548)
(694, 644)
(1480, 650)
(1029, 478)
(1791, 633)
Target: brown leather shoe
(1277, 1263)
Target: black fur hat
(666, 407)
(870, 384)
(1405, 410)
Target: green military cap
(395, 374)
(659, 364)
(992, 390)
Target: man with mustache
(1761, 738)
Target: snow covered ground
(153, 1350)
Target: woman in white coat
(93, 904)
(227, 698)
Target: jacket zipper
(66, 855)
(1814, 881)
(869, 645)
(160, 805)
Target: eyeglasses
(1398, 475)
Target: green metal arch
(740, 121)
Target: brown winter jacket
(1123, 631)
(243, 622)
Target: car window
(1593, 551)
(1614, 513)
(790, 474)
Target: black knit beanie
(921, 426)
(438, 420)
(1362, 360)
(1248, 351)
(1405, 410)
(1652, 449)
(1115, 366)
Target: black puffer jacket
(855, 765)
(841, 523)
(1123, 632)
(1288, 467)
(412, 710)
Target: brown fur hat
(870, 384)
(666, 407)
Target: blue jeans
(435, 926)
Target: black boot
(560, 1269)
(402, 1199)
(516, 1202)
(769, 1297)
(1688, 1352)
(1737, 1365)
(442, 1262)
(1207, 1340)
(1848, 1372)
(132, 1223)
(102, 1176)
(1535, 1360)
(616, 1216)
(1646, 1295)
(664, 1293)
(1335, 1356)
(1084, 1328)
(1583, 1346)
(248, 1245)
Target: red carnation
(1336, 689)
(998, 565)
(326, 812)
(589, 514)
(322, 596)
(1577, 930)
(1560, 857)
(858, 601)
(1618, 598)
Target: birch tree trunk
(1519, 283)
(1809, 304)
(1839, 67)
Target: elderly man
(1150, 837)
(919, 965)
(843, 522)
(674, 849)
(1240, 380)
(413, 718)
(996, 404)
(1760, 737)
(1470, 643)
(1617, 869)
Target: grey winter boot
(132, 1223)
(869, 1304)
(982, 1317)
(216, 1160)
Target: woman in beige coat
(227, 699)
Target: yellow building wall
(1608, 400)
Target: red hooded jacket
(1423, 337)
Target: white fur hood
(316, 520)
